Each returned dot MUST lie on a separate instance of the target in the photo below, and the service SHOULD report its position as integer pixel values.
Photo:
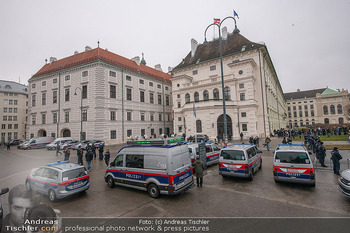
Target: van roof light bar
(59, 162)
(243, 144)
(154, 142)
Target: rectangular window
(194, 72)
(10, 102)
(33, 100)
(159, 86)
(85, 73)
(306, 113)
(142, 81)
(244, 127)
(312, 113)
(294, 108)
(142, 96)
(241, 85)
(66, 94)
(33, 85)
(10, 110)
(14, 118)
(151, 116)
(112, 73)
(180, 129)
(242, 96)
(3, 126)
(167, 100)
(33, 120)
(160, 117)
(178, 96)
(151, 98)
(288, 108)
(9, 136)
(300, 107)
(113, 118)
(159, 99)
(15, 126)
(4, 118)
(43, 98)
(243, 114)
(54, 97)
(15, 110)
(150, 84)
(15, 102)
(128, 132)
(66, 117)
(212, 67)
(54, 80)
(6, 101)
(113, 134)
(53, 135)
(160, 131)
(54, 117)
(142, 116)
(128, 116)
(134, 161)
(9, 126)
(143, 132)
(5, 110)
(43, 83)
(166, 88)
(178, 104)
(128, 78)
(179, 119)
(300, 114)
(311, 106)
(15, 135)
(43, 118)
(305, 107)
(128, 94)
(289, 114)
(112, 91)
(84, 114)
(84, 92)
(67, 77)
(295, 114)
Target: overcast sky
(308, 40)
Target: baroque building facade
(318, 106)
(255, 103)
(13, 110)
(96, 94)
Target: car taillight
(246, 169)
(171, 180)
(312, 174)
(274, 171)
(221, 165)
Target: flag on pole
(235, 14)
(216, 21)
(194, 110)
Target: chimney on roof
(169, 69)
(52, 59)
(136, 60)
(76, 52)
(158, 67)
(224, 33)
(298, 90)
(87, 48)
(194, 45)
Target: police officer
(66, 154)
(107, 157)
(322, 154)
(335, 158)
(100, 150)
(58, 148)
(80, 155)
(93, 147)
(199, 167)
(89, 156)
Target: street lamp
(222, 72)
(81, 111)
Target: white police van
(240, 160)
(292, 163)
(212, 152)
(156, 166)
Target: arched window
(325, 110)
(196, 97)
(341, 120)
(199, 126)
(187, 98)
(205, 95)
(340, 109)
(227, 93)
(332, 109)
(326, 121)
(216, 94)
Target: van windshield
(233, 154)
(73, 174)
(292, 157)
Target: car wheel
(251, 175)
(110, 181)
(28, 186)
(153, 191)
(28, 148)
(52, 195)
(313, 184)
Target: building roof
(303, 94)
(329, 92)
(13, 87)
(234, 43)
(97, 54)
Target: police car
(240, 160)
(344, 182)
(160, 166)
(211, 149)
(292, 163)
(58, 180)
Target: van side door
(118, 168)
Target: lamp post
(236, 30)
(81, 111)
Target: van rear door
(181, 168)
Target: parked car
(68, 144)
(59, 141)
(39, 142)
(97, 143)
(3, 191)
(59, 180)
(83, 145)
(15, 142)
(344, 182)
(20, 146)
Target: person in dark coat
(107, 157)
(80, 155)
(89, 156)
(93, 147)
(66, 154)
(100, 150)
(335, 158)
(284, 141)
(199, 167)
(8, 145)
(241, 135)
(322, 154)
(58, 148)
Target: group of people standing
(89, 155)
